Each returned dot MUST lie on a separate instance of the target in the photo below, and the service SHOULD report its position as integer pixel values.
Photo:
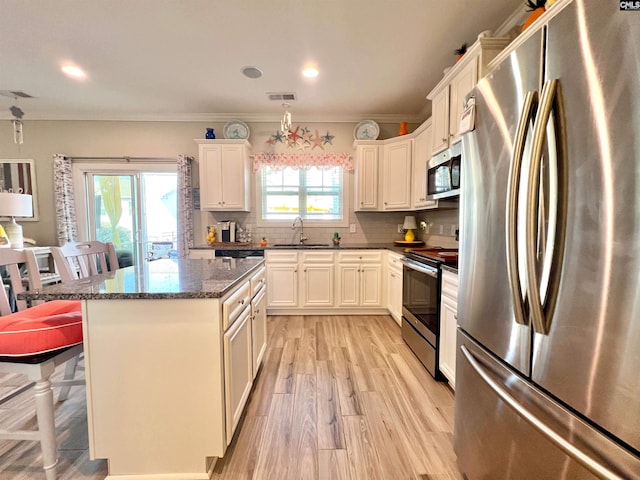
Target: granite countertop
(159, 279)
(311, 246)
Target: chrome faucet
(293, 227)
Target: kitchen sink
(297, 245)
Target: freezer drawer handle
(585, 460)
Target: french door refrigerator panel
(487, 312)
(590, 357)
(563, 400)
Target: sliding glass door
(134, 207)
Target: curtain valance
(278, 161)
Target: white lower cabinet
(282, 275)
(258, 319)
(316, 287)
(359, 282)
(238, 369)
(325, 281)
(394, 286)
(448, 325)
(196, 254)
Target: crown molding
(218, 117)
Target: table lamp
(409, 225)
(15, 205)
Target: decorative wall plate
(236, 130)
(366, 130)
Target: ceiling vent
(282, 96)
(15, 94)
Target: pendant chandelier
(17, 124)
(285, 123)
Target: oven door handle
(418, 267)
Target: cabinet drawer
(394, 263)
(233, 306)
(317, 257)
(450, 284)
(257, 281)
(359, 256)
(287, 256)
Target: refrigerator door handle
(527, 115)
(578, 455)
(550, 102)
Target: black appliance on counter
(239, 252)
(421, 284)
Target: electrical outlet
(453, 230)
(441, 229)
(399, 228)
(352, 228)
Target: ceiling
(182, 59)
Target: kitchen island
(171, 351)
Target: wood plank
(274, 449)
(334, 465)
(363, 456)
(303, 451)
(330, 434)
(239, 462)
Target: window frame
(311, 223)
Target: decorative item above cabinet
(448, 96)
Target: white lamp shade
(16, 204)
(409, 222)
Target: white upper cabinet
(367, 167)
(396, 161)
(448, 96)
(224, 174)
(421, 156)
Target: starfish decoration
(328, 139)
(272, 140)
(278, 137)
(317, 141)
(307, 137)
(295, 135)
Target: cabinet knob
(444, 139)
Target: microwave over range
(443, 173)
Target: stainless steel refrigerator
(548, 362)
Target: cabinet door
(460, 86)
(366, 188)
(210, 165)
(394, 294)
(259, 328)
(396, 190)
(238, 370)
(371, 285)
(202, 253)
(234, 178)
(283, 282)
(317, 285)
(440, 121)
(348, 285)
(448, 325)
(421, 156)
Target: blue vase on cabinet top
(210, 135)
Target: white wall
(43, 139)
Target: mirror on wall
(20, 174)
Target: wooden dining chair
(82, 259)
(34, 340)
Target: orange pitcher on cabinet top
(403, 129)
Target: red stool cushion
(42, 328)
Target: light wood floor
(338, 397)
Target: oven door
(420, 298)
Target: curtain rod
(127, 159)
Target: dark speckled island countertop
(159, 279)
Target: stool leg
(46, 425)
(69, 374)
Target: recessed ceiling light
(251, 72)
(73, 71)
(310, 72)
